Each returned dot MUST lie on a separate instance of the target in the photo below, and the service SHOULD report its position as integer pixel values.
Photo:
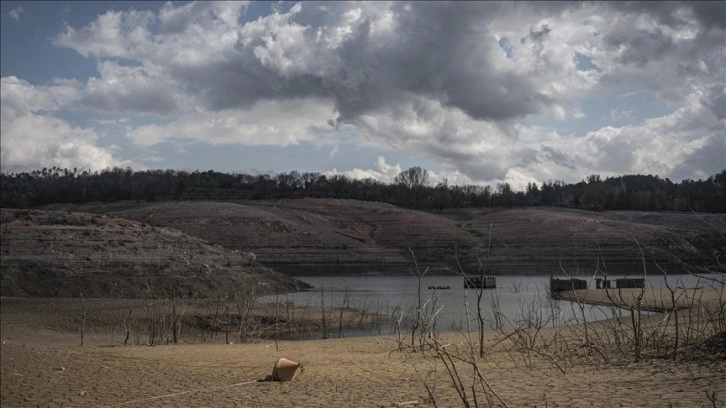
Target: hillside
(62, 254)
(550, 240)
(326, 236)
(313, 236)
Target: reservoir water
(515, 301)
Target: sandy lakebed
(43, 364)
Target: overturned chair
(284, 370)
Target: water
(519, 300)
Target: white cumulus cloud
(33, 138)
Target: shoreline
(657, 300)
(585, 364)
(366, 371)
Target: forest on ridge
(410, 189)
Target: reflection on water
(515, 300)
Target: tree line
(410, 189)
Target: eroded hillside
(556, 241)
(325, 236)
(312, 236)
(63, 254)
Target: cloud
(711, 151)
(361, 59)
(20, 97)
(193, 34)
(622, 114)
(477, 148)
(16, 13)
(674, 145)
(271, 123)
(200, 15)
(32, 138)
(37, 141)
(459, 83)
(131, 89)
(664, 52)
(384, 172)
(117, 34)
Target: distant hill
(311, 236)
(63, 254)
(330, 236)
(557, 240)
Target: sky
(474, 92)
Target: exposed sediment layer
(338, 237)
(61, 254)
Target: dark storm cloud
(441, 51)
(445, 52)
(641, 47)
(482, 169)
(437, 50)
(557, 157)
(677, 47)
(241, 81)
(709, 13)
(526, 157)
(716, 101)
(537, 34)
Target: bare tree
(83, 321)
(419, 308)
(412, 178)
(245, 303)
